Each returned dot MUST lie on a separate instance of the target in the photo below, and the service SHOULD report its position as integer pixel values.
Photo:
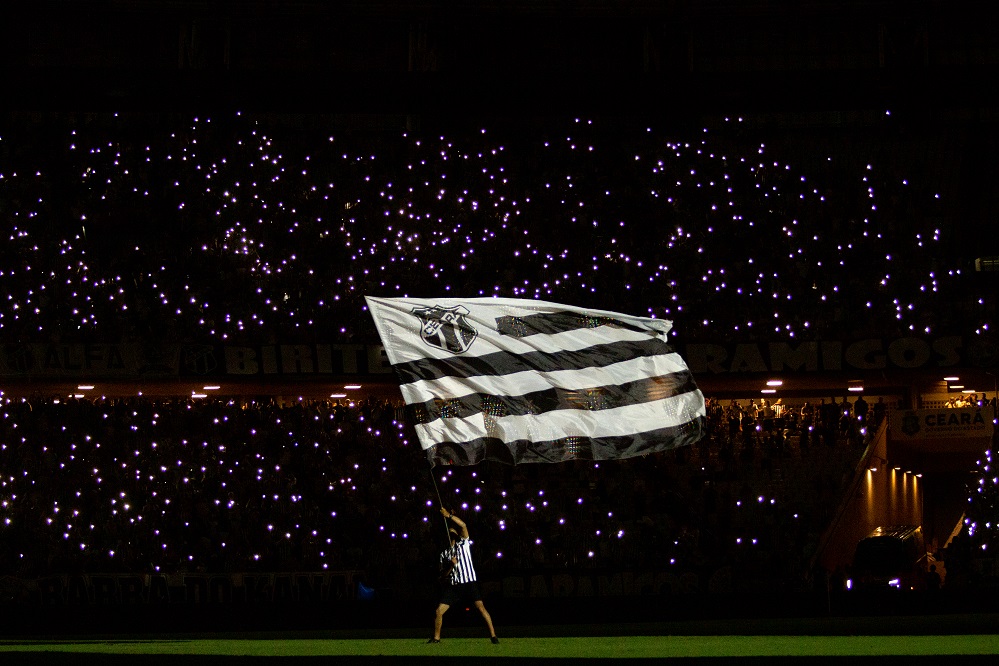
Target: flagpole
(433, 477)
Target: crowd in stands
(231, 229)
(966, 400)
(117, 228)
(144, 486)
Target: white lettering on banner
(947, 423)
(121, 361)
(805, 357)
(748, 358)
(909, 353)
(91, 359)
(348, 356)
(306, 360)
(268, 360)
(947, 349)
(378, 360)
(866, 355)
(706, 358)
(954, 419)
(832, 356)
(324, 359)
(241, 361)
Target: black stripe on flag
(549, 323)
(538, 402)
(568, 448)
(505, 363)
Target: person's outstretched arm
(457, 521)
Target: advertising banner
(928, 424)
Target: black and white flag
(518, 381)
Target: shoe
(494, 640)
(434, 640)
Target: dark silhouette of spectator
(860, 409)
(932, 580)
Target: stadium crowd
(146, 486)
(138, 485)
(227, 229)
(118, 227)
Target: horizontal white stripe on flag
(399, 328)
(622, 421)
(519, 383)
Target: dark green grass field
(552, 647)
(896, 639)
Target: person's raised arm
(457, 521)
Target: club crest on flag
(446, 328)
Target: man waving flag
(517, 381)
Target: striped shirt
(463, 571)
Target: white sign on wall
(942, 423)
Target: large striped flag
(520, 381)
